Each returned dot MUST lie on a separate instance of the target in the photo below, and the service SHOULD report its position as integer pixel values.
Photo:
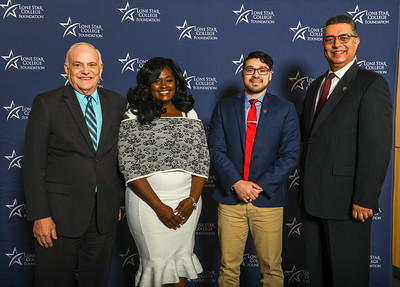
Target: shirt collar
(260, 98)
(82, 97)
(340, 73)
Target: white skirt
(165, 254)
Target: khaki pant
(265, 224)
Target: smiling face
(256, 84)
(163, 89)
(84, 69)
(339, 54)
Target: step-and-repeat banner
(209, 40)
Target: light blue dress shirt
(247, 105)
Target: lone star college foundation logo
(302, 83)
(306, 33)
(294, 227)
(129, 258)
(299, 276)
(256, 16)
(22, 258)
(20, 62)
(207, 276)
(18, 210)
(377, 17)
(131, 64)
(139, 14)
(17, 112)
(199, 33)
(20, 11)
(200, 83)
(82, 30)
(375, 261)
(239, 65)
(378, 66)
(14, 159)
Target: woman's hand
(184, 210)
(168, 217)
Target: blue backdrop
(208, 39)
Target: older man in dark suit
(72, 185)
(347, 139)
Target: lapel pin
(264, 111)
(344, 89)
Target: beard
(255, 90)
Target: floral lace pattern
(166, 144)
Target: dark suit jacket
(275, 152)
(61, 168)
(346, 152)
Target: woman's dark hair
(141, 101)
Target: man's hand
(247, 191)
(44, 230)
(361, 213)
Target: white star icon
(69, 27)
(128, 63)
(239, 64)
(10, 9)
(186, 30)
(242, 15)
(128, 13)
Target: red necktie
(324, 96)
(250, 135)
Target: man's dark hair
(339, 19)
(265, 58)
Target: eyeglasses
(261, 71)
(343, 38)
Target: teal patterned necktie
(90, 118)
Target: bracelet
(194, 202)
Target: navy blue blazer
(275, 152)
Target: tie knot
(253, 102)
(330, 77)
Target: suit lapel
(241, 122)
(106, 113)
(76, 112)
(336, 95)
(264, 113)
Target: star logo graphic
(12, 61)
(243, 15)
(128, 63)
(69, 27)
(65, 76)
(10, 9)
(188, 79)
(294, 227)
(128, 13)
(129, 258)
(294, 178)
(299, 32)
(298, 81)
(360, 63)
(357, 14)
(15, 161)
(239, 64)
(185, 30)
(13, 111)
(294, 274)
(15, 257)
(16, 209)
